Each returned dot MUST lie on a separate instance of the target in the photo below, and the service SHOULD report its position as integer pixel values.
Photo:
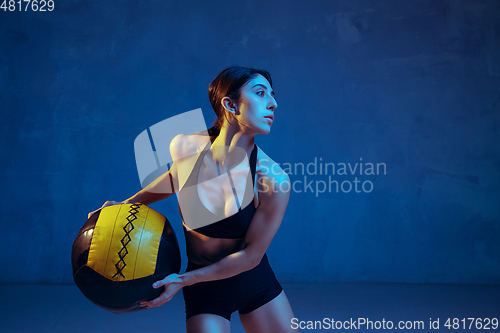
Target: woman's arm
(154, 192)
(265, 223)
(162, 187)
(167, 184)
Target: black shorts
(244, 292)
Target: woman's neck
(231, 136)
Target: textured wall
(411, 84)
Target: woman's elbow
(253, 261)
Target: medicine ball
(118, 254)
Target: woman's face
(255, 108)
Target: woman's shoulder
(269, 170)
(184, 145)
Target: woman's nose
(272, 104)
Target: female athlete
(232, 202)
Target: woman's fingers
(160, 300)
(171, 288)
(158, 284)
(110, 203)
(106, 204)
(166, 281)
(156, 302)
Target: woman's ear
(229, 105)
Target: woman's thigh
(208, 323)
(273, 317)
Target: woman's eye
(260, 93)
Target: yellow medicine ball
(118, 254)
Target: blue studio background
(412, 85)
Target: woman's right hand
(106, 204)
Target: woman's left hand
(172, 283)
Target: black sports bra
(231, 227)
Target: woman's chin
(265, 131)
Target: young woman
(231, 207)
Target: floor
(62, 308)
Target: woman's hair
(228, 84)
